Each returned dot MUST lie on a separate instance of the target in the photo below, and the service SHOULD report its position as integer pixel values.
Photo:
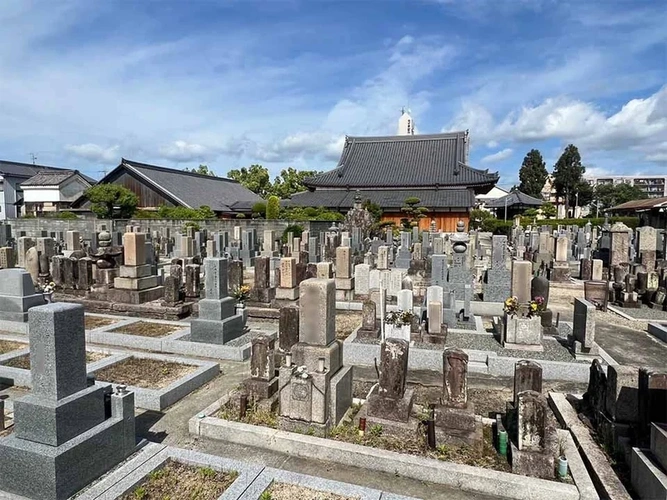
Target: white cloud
(640, 124)
(501, 155)
(182, 152)
(95, 152)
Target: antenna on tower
(34, 158)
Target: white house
(52, 191)
(495, 194)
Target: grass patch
(147, 373)
(23, 361)
(285, 491)
(9, 346)
(346, 324)
(147, 329)
(254, 414)
(177, 481)
(92, 322)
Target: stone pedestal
(560, 272)
(522, 333)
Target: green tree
(568, 174)
(609, 195)
(259, 209)
(413, 212)
(255, 178)
(549, 210)
(273, 207)
(374, 209)
(201, 169)
(583, 193)
(478, 216)
(111, 201)
(290, 181)
(533, 174)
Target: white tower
(406, 125)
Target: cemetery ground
(625, 340)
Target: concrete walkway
(171, 428)
(631, 347)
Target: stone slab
(648, 480)
(216, 332)
(465, 477)
(135, 283)
(135, 271)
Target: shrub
(67, 215)
(259, 209)
(273, 207)
(295, 229)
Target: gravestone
(527, 377)
(67, 432)
(391, 401)
(17, 295)
(455, 418)
(316, 390)
(263, 382)
(218, 321)
(288, 328)
(582, 340)
(522, 273)
(497, 286)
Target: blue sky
(231, 83)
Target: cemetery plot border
(159, 399)
(640, 314)
(488, 362)
(177, 342)
(21, 377)
(270, 475)
(465, 477)
(153, 457)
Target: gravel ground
(645, 313)
(553, 351)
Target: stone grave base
(524, 347)
(407, 429)
(152, 310)
(458, 426)
(397, 410)
(582, 353)
(532, 463)
(261, 389)
(368, 334)
(459, 437)
(291, 294)
(430, 338)
(559, 274)
(37, 470)
(303, 427)
(127, 296)
(216, 332)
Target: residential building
(389, 169)
(655, 186)
(52, 191)
(495, 193)
(157, 186)
(13, 175)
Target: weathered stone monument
(218, 322)
(135, 283)
(390, 404)
(263, 382)
(497, 283)
(582, 340)
(535, 442)
(455, 419)
(67, 431)
(316, 390)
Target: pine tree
(533, 174)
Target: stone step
(659, 443)
(648, 480)
(658, 331)
(478, 367)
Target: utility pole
(34, 157)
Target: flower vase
(243, 311)
(48, 297)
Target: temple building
(388, 170)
